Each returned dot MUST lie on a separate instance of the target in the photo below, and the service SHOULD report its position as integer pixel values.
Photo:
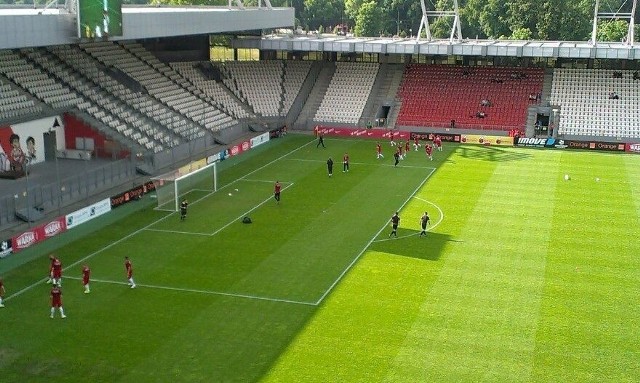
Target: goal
(172, 187)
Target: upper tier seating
(211, 88)
(191, 97)
(13, 101)
(295, 72)
(347, 93)
(257, 83)
(162, 88)
(586, 107)
(269, 87)
(134, 114)
(433, 95)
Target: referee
(424, 222)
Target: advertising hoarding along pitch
(38, 234)
(88, 213)
(486, 140)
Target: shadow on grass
(410, 244)
(491, 153)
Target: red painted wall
(74, 127)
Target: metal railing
(30, 198)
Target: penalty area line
(83, 259)
(198, 291)
(247, 212)
(353, 262)
(366, 164)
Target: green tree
(470, 19)
(570, 20)
(441, 27)
(351, 8)
(612, 30)
(368, 20)
(321, 12)
(493, 19)
(521, 34)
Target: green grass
(524, 277)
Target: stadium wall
(76, 131)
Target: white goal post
(172, 187)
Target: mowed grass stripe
(355, 334)
(482, 311)
(589, 325)
(382, 294)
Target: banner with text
(259, 140)
(595, 145)
(132, 194)
(445, 137)
(486, 140)
(38, 234)
(378, 134)
(5, 248)
(633, 148)
(539, 142)
(88, 213)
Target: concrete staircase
(532, 114)
(373, 102)
(546, 87)
(315, 96)
(392, 95)
(388, 81)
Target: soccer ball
(230, 194)
(597, 179)
(566, 177)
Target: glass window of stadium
(248, 54)
(219, 53)
(367, 57)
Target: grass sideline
(523, 277)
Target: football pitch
(522, 277)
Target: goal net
(172, 187)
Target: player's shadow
(410, 244)
(491, 153)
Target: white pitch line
(266, 181)
(344, 272)
(22, 291)
(247, 212)
(180, 232)
(429, 229)
(288, 185)
(364, 163)
(209, 292)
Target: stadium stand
(175, 106)
(433, 95)
(195, 72)
(192, 102)
(597, 102)
(14, 102)
(106, 99)
(295, 72)
(269, 88)
(258, 84)
(347, 94)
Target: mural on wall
(21, 144)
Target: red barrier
(39, 234)
(633, 148)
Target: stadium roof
(509, 48)
(22, 27)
